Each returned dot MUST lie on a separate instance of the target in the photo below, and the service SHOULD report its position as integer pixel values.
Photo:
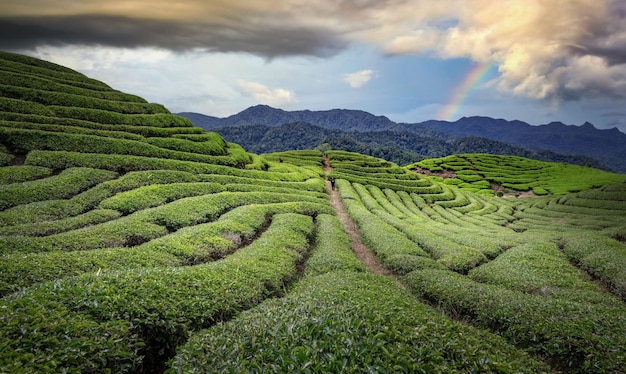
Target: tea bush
(576, 337)
(351, 323)
(23, 173)
(333, 251)
(121, 321)
(65, 185)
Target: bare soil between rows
(362, 252)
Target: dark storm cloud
(117, 31)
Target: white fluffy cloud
(358, 79)
(265, 95)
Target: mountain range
(261, 127)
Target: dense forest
(400, 147)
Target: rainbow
(460, 92)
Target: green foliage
(49, 98)
(539, 269)
(381, 237)
(603, 257)
(48, 119)
(120, 163)
(113, 320)
(520, 174)
(23, 141)
(65, 185)
(157, 194)
(333, 251)
(58, 209)
(350, 323)
(577, 337)
(214, 145)
(44, 228)
(23, 173)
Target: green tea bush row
(45, 84)
(312, 184)
(73, 100)
(368, 201)
(146, 131)
(489, 241)
(23, 173)
(71, 130)
(619, 205)
(108, 117)
(576, 337)
(45, 228)
(381, 237)
(396, 185)
(238, 154)
(65, 185)
(409, 203)
(187, 246)
(121, 163)
(124, 232)
(381, 198)
(393, 199)
(454, 256)
(157, 194)
(602, 257)
(238, 187)
(286, 168)
(50, 210)
(214, 146)
(24, 141)
(258, 163)
(539, 269)
(127, 320)
(21, 270)
(333, 251)
(93, 115)
(394, 172)
(214, 240)
(32, 66)
(445, 193)
(350, 323)
(300, 158)
(460, 200)
(200, 209)
(147, 224)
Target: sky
(537, 61)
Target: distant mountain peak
(608, 146)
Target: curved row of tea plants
(478, 173)
(527, 282)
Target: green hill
(131, 241)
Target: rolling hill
(608, 147)
(132, 241)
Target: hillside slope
(133, 242)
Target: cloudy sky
(411, 60)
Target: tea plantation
(131, 241)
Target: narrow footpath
(362, 252)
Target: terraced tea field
(510, 175)
(131, 241)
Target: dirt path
(364, 254)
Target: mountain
(579, 144)
(339, 119)
(401, 147)
(607, 146)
